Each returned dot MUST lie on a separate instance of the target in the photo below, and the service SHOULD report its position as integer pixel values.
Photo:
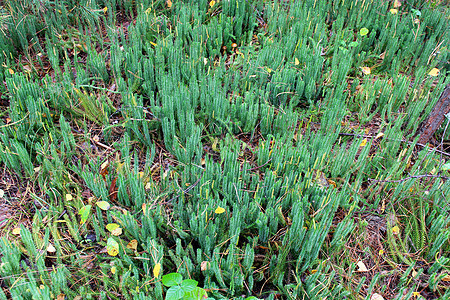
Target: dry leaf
(296, 62)
(446, 278)
(204, 265)
(16, 231)
(361, 266)
(132, 245)
(363, 143)
(416, 294)
(365, 70)
(169, 3)
(61, 297)
(2, 193)
(211, 4)
(113, 270)
(379, 135)
(51, 248)
(434, 72)
(376, 296)
(397, 3)
(69, 197)
(11, 71)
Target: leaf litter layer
(263, 149)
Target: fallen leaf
(393, 11)
(204, 265)
(169, 3)
(395, 230)
(113, 270)
(69, 197)
(363, 143)
(416, 294)
(105, 9)
(84, 213)
(379, 135)
(211, 4)
(446, 278)
(219, 210)
(364, 31)
(103, 205)
(365, 70)
(132, 245)
(361, 266)
(61, 297)
(376, 296)
(16, 231)
(313, 271)
(397, 3)
(2, 193)
(381, 252)
(51, 248)
(296, 62)
(112, 226)
(112, 247)
(11, 71)
(434, 72)
(156, 270)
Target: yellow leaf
(397, 3)
(11, 71)
(104, 165)
(156, 270)
(434, 72)
(113, 270)
(132, 245)
(363, 143)
(148, 186)
(365, 70)
(154, 45)
(169, 3)
(416, 294)
(103, 205)
(211, 4)
(112, 226)
(313, 271)
(141, 174)
(16, 231)
(219, 210)
(361, 266)
(105, 9)
(69, 197)
(446, 278)
(148, 10)
(393, 11)
(112, 247)
(117, 231)
(296, 62)
(381, 252)
(395, 230)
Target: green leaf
(196, 294)
(353, 44)
(103, 205)
(175, 292)
(364, 31)
(172, 279)
(84, 213)
(112, 226)
(446, 167)
(189, 285)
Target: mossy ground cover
(260, 148)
